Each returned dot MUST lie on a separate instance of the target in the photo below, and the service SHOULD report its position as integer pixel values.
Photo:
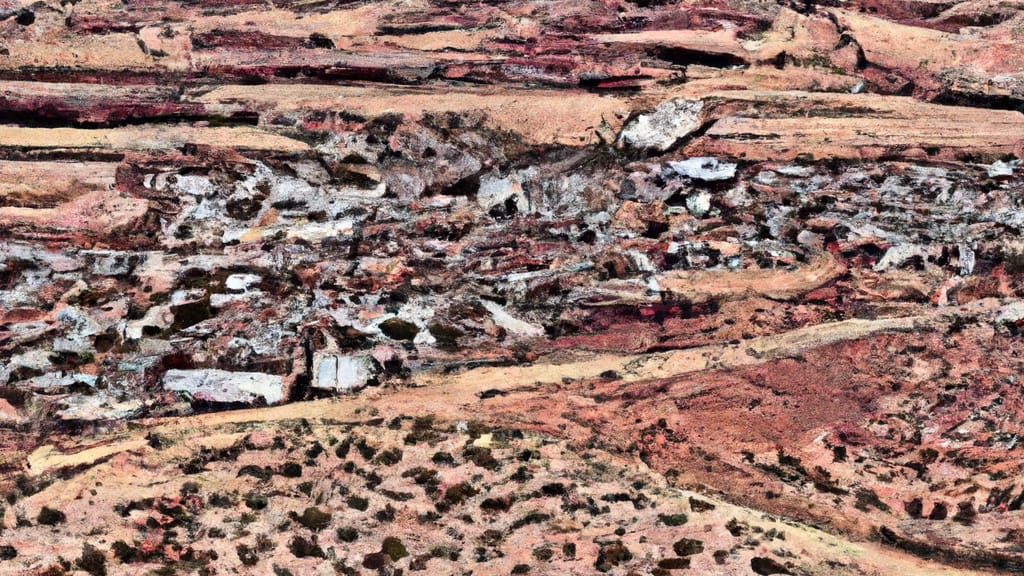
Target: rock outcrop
(517, 286)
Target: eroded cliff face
(511, 287)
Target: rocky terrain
(511, 287)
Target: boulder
(706, 169)
(224, 387)
(342, 372)
(670, 121)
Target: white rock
(670, 121)
(967, 260)
(597, 219)
(97, 407)
(72, 316)
(808, 238)
(315, 231)
(652, 286)
(72, 345)
(1002, 169)
(510, 323)
(424, 338)
(341, 372)
(698, 204)
(159, 317)
(895, 256)
(225, 387)
(195, 185)
(310, 232)
(642, 262)
(180, 297)
(111, 263)
(241, 281)
(766, 177)
(420, 313)
(702, 168)
(737, 197)
(795, 171)
(1011, 313)
(222, 300)
(496, 192)
(54, 380)
(33, 360)
(139, 364)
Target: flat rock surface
(511, 287)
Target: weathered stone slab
(225, 387)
